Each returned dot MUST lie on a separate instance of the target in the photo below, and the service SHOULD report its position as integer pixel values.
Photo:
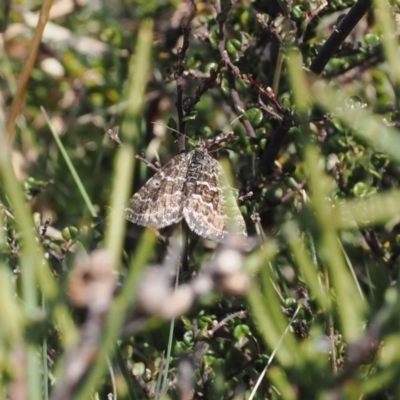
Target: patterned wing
(159, 202)
(210, 209)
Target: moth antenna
(171, 129)
(208, 144)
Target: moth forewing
(159, 202)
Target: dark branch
(278, 136)
(339, 34)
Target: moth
(191, 186)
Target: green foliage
(310, 130)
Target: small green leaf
(213, 38)
(263, 143)
(371, 39)
(254, 115)
(65, 233)
(210, 66)
(233, 46)
(190, 117)
(241, 331)
(188, 338)
(361, 189)
(297, 12)
(225, 86)
(138, 369)
(261, 132)
(70, 233)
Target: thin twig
(113, 135)
(269, 94)
(240, 106)
(147, 162)
(310, 17)
(291, 192)
(43, 231)
(233, 71)
(216, 142)
(245, 197)
(239, 314)
(26, 73)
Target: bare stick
(147, 162)
(26, 73)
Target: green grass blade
(125, 160)
(117, 313)
(350, 305)
(71, 167)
